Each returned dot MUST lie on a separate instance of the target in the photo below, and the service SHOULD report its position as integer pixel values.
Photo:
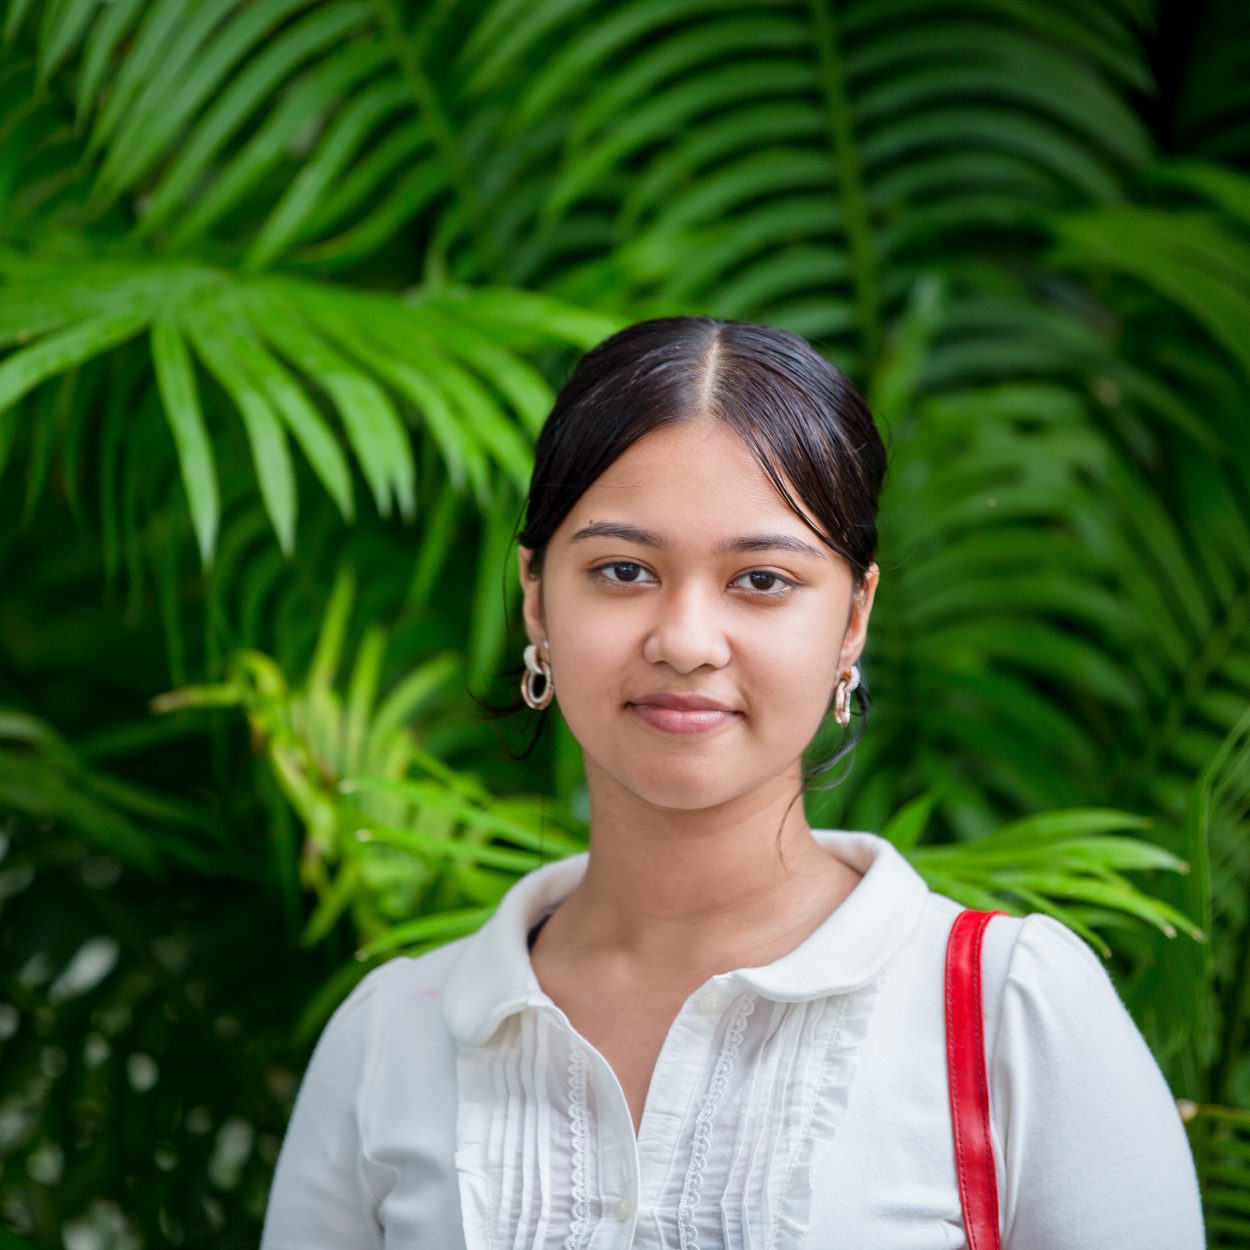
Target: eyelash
(787, 583)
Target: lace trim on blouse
(578, 1225)
(702, 1142)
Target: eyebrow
(748, 542)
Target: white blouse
(450, 1104)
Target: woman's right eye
(624, 572)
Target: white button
(624, 1208)
(712, 1003)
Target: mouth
(683, 720)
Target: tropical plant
(285, 290)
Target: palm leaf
(374, 357)
(1065, 864)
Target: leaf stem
(1236, 1013)
(407, 52)
(1195, 681)
(850, 182)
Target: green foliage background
(286, 287)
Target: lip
(682, 713)
(682, 703)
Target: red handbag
(969, 1086)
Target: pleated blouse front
(745, 1089)
(754, 1076)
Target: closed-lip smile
(683, 703)
(682, 714)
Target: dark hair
(802, 417)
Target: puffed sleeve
(1095, 1153)
(324, 1193)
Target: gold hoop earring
(536, 685)
(842, 696)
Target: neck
(735, 885)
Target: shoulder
(1033, 953)
(1060, 1027)
(1039, 937)
(1044, 986)
(403, 992)
(367, 1045)
(1042, 959)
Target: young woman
(720, 1028)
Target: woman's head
(701, 523)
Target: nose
(688, 630)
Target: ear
(857, 624)
(531, 605)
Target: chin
(684, 785)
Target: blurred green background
(286, 288)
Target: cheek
(797, 671)
(591, 652)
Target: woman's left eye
(624, 573)
(767, 583)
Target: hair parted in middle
(801, 416)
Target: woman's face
(681, 572)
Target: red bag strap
(970, 1095)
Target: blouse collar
(493, 978)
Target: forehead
(694, 473)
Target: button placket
(617, 1164)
